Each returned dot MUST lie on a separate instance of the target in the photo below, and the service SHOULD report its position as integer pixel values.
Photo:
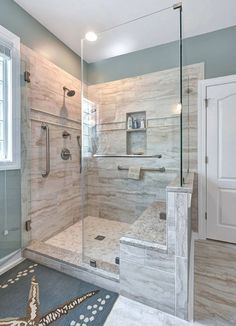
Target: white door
(221, 166)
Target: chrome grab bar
(45, 127)
(162, 169)
(129, 155)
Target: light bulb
(91, 36)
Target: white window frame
(13, 42)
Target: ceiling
(70, 20)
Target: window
(9, 100)
(5, 107)
(90, 139)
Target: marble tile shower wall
(54, 200)
(110, 194)
(146, 270)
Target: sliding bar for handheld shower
(80, 154)
(45, 127)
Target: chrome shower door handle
(45, 127)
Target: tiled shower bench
(154, 254)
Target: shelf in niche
(137, 129)
(136, 138)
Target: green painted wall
(216, 49)
(37, 37)
(10, 204)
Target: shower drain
(100, 237)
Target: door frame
(202, 146)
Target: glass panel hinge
(177, 6)
(28, 225)
(27, 76)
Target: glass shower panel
(192, 73)
(54, 143)
(131, 129)
(25, 152)
(185, 130)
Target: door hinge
(206, 102)
(27, 76)
(205, 215)
(28, 225)
(206, 159)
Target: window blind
(5, 51)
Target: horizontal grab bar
(162, 169)
(128, 155)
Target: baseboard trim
(14, 259)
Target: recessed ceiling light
(91, 36)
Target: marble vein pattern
(54, 202)
(110, 194)
(215, 283)
(150, 286)
(132, 313)
(159, 278)
(181, 209)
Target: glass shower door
(124, 86)
(25, 153)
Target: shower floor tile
(105, 250)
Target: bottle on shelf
(138, 123)
(130, 122)
(142, 123)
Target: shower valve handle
(66, 154)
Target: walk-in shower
(117, 139)
(132, 113)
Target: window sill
(9, 165)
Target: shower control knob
(65, 154)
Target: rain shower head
(70, 92)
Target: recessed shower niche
(136, 136)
